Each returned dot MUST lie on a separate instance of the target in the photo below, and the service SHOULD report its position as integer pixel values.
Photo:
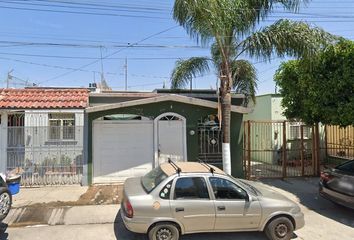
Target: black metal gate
(210, 141)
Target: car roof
(189, 167)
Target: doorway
(170, 138)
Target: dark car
(5, 199)
(337, 184)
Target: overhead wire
(110, 55)
(320, 19)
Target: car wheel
(5, 203)
(280, 228)
(164, 231)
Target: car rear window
(152, 179)
(347, 167)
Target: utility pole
(126, 73)
(102, 76)
(9, 77)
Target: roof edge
(163, 98)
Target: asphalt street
(324, 220)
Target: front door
(233, 209)
(192, 206)
(171, 139)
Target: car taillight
(325, 177)
(128, 209)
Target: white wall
(3, 141)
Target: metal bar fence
(43, 158)
(278, 149)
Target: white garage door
(121, 149)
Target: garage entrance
(121, 149)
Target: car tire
(5, 203)
(280, 228)
(164, 231)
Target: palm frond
(286, 37)
(258, 10)
(186, 70)
(244, 78)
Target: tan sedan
(183, 198)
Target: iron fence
(279, 149)
(210, 143)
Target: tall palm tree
(230, 27)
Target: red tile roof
(43, 98)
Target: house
(129, 133)
(41, 134)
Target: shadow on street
(306, 190)
(122, 233)
(3, 234)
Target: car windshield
(152, 179)
(247, 186)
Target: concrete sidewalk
(76, 215)
(38, 195)
(64, 205)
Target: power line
(75, 45)
(96, 6)
(271, 18)
(83, 13)
(109, 55)
(51, 66)
(123, 6)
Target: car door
(234, 208)
(191, 204)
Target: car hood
(264, 191)
(133, 187)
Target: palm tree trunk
(225, 99)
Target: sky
(60, 42)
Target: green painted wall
(262, 109)
(192, 113)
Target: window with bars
(295, 131)
(61, 126)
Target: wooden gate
(280, 149)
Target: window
(347, 167)
(191, 188)
(62, 126)
(166, 191)
(152, 179)
(295, 131)
(224, 189)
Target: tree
(321, 90)
(230, 27)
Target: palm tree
(230, 27)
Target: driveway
(324, 220)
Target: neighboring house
(129, 133)
(267, 124)
(41, 134)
